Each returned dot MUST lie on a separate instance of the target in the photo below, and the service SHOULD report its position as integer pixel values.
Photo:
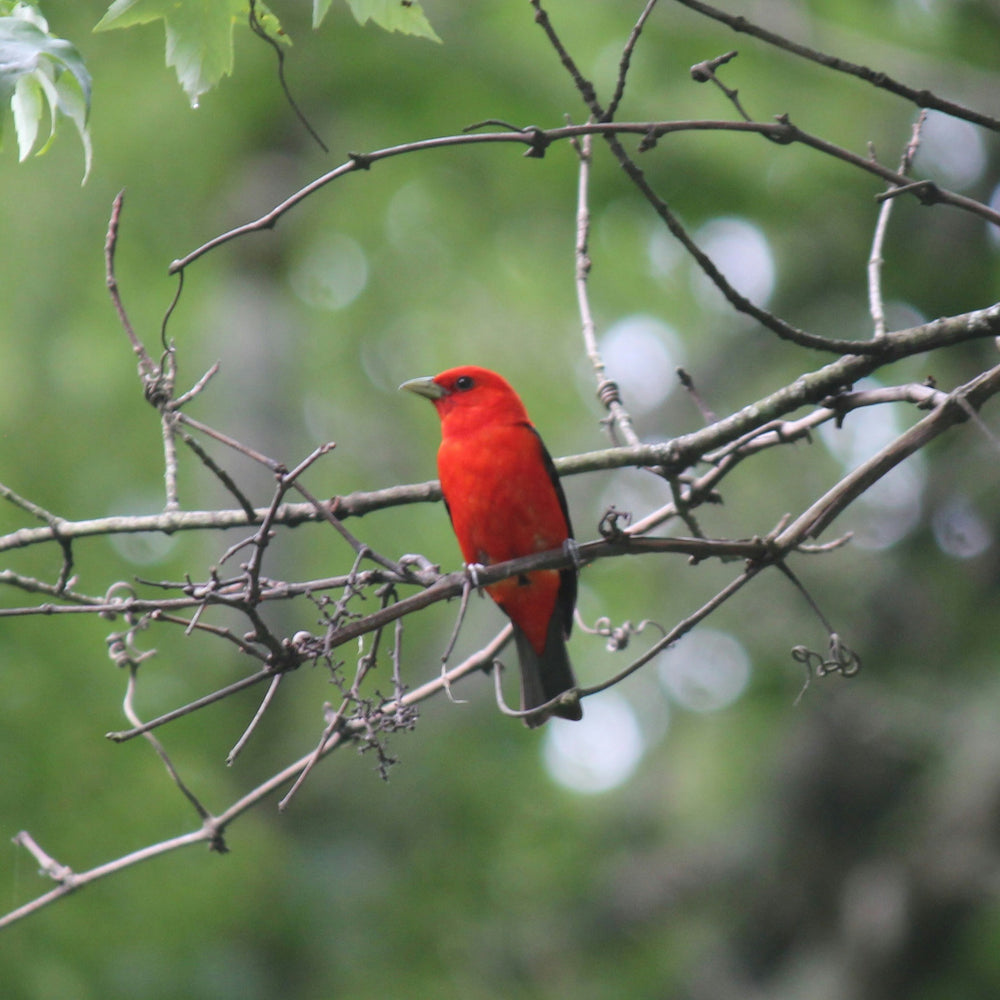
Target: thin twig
(130, 713)
(147, 368)
(463, 606)
(121, 736)
(260, 32)
(74, 881)
(167, 425)
(272, 690)
(185, 397)
(704, 72)
(876, 304)
(626, 61)
(619, 421)
(227, 481)
(332, 736)
(685, 379)
(230, 442)
(284, 482)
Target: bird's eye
(464, 382)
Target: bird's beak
(425, 386)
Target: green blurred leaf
(406, 16)
(27, 107)
(320, 10)
(269, 22)
(38, 70)
(74, 103)
(199, 35)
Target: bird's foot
(472, 572)
(419, 567)
(572, 549)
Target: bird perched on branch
(505, 501)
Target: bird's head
(468, 395)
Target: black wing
(566, 601)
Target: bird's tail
(547, 676)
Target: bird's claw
(472, 572)
(572, 549)
(414, 560)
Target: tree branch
(676, 454)
(922, 98)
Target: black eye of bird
(464, 382)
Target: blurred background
(711, 830)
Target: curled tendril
(122, 649)
(619, 636)
(840, 659)
(119, 593)
(609, 526)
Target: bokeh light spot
(664, 252)
(951, 151)
(993, 230)
(142, 548)
(642, 353)
(960, 531)
(598, 753)
(331, 273)
(706, 671)
(890, 508)
(741, 251)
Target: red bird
(504, 499)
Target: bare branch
(626, 60)
(676, 454)
(922, 98)
(929, 194)
(129, 709)
(272, 690)
(781, 132)
(704, 72)
(875, 262)
(953, 410)
(211, 832)
(619, 422)
(147, 368)
(759, 554)
(70, 881)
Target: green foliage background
(847, 842)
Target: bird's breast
(501, 500)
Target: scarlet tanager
(505, 501)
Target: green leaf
(406, 16)
(199, 35)
(269, 22)
(320, 10)
(75, 105)
(39, 71)
(27, 107)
